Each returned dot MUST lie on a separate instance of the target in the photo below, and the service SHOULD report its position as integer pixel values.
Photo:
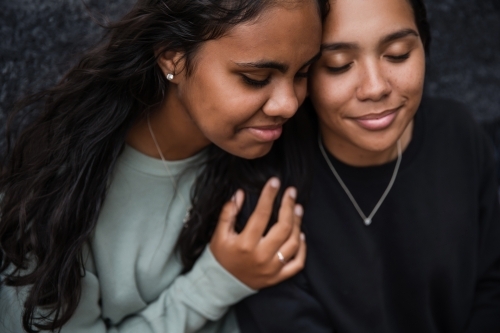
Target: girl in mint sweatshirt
(96, 190)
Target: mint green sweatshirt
(132, 281)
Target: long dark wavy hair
(56, 170)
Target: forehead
(279, 30)
(358, 20)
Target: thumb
(230, 211)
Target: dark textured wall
(40, 39)
(465, 55)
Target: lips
(377, 121)
(266, 133)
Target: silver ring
(281, 258)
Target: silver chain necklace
(366, 220)
(174, 183)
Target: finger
(230, 211)
(293, 266)
(291, 246)
(259, 219)
(289, 222)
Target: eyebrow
(398, 35)
(265, 64)
(384, 40)
(274, 64)
(339, 46)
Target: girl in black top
(403, 222)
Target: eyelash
(338, 70)
(399, 58)
(262, 83)
(255, 83)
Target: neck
(354, 155)
(177, 135)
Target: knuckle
(245, 248)
(287, 225)
(271, 271)
(261, 214)
(295, 244)
(261, 261)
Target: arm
(216, 281)
(204, 294)
(221, 275)
(485, 316)
(287, 307)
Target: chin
(377, 146)
(254, 152)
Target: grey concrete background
(40, 39)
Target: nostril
(291, 108)
(374, 90)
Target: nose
(283, 101)
(374, 84)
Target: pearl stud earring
(170, 76)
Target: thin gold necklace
(172, 179)
(366, 220)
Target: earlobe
(171, 64)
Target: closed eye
(399, 58)
(338, 70)
(255, 83)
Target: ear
(171, 62)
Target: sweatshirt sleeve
(485, 315)
(204, 294)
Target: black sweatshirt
(429, 262)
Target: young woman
(403, 222)
(95, 191)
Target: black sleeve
(285, 308)
(485, 316)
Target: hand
(249, 256)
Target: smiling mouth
(266, 133)
(377, 121)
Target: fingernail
(298, 210)
(238, 196)
(302, 236)
(292, 192)
(275, 182)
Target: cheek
(329, 94)
(409, 80)
(218, 106)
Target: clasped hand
(256, 259)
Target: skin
(373, 65)
(228, 99)
(241, 90)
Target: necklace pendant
(368, 221)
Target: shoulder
(449, 119)
(452, 127)
(447, 111)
